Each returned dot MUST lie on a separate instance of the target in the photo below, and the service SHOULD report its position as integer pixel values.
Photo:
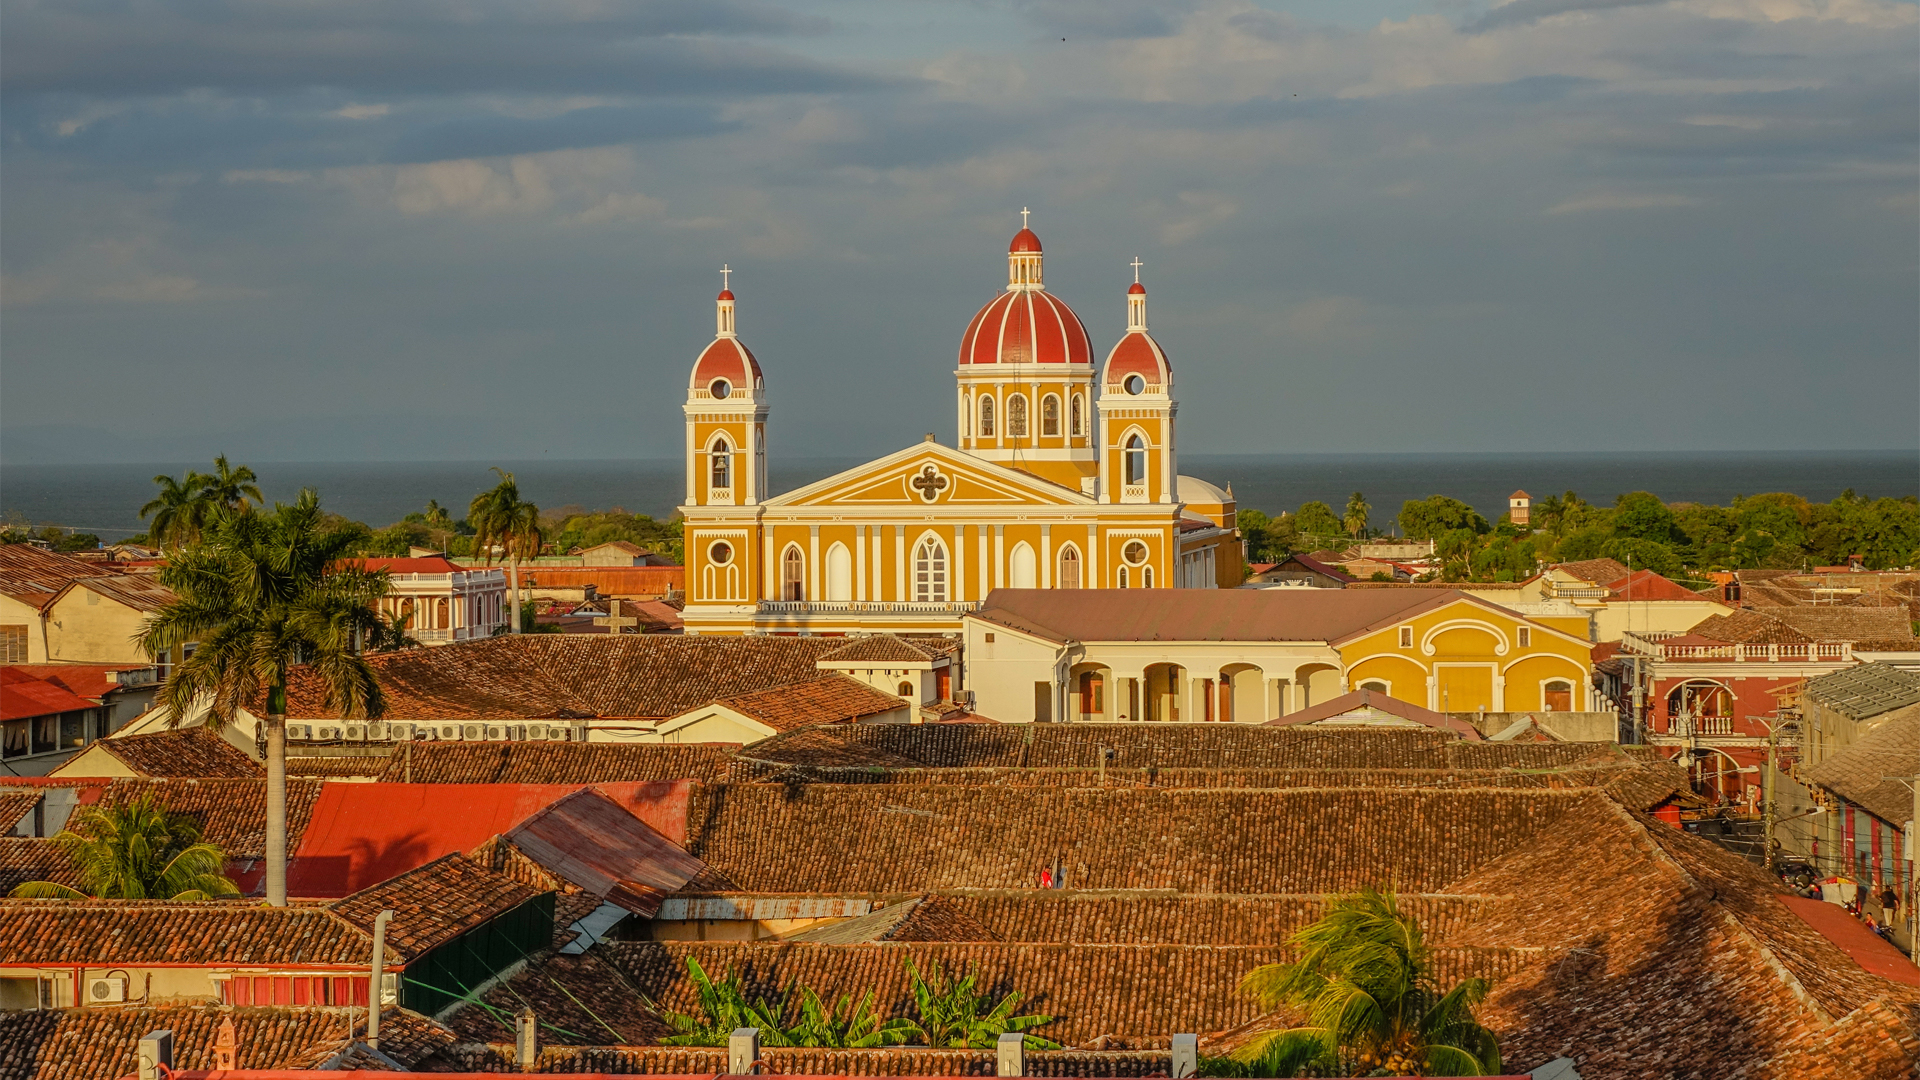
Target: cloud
(362, 112)
(1521, 12)
(1622, 202)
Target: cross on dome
(1023, 217)
(1136, 264)
(725, 275)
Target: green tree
(260, 593)
(1428, 519)
(136, 850)
(1355, 518)
(1583, 543)
(1640, 515)
(1643, 555)
(179, 511)
(502, 520)
(1768, 532)
(1365, 986)
(228, 488)
(801, 1019)
(955, 1013)
(1317, 522)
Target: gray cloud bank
(448, 229)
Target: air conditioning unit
(425, 733)
(299, 731)
(378, 732)
(101, 991)
(565, 733)
(354, 732)
(401, 732)
(537, 732)
(506, 732)
(473, 732)
(327, 732)
(448, 731)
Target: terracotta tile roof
(809, 1061)
(1358, 700)
(1798, 625)
(1865, 690)
(582, 1001)
(1867, 773)
(555, 763)
(16, 804)
(538, 676)
(186, 752)
(232, 813)
(434, 903)
(24, 859)
(883, 839)
(99, 1044)
(123, 932)
(1201, 614)
(34, 576)
(1596, 571)
(829, 700)
(882, 648)
(337, 768)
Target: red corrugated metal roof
(1869, 949)
(591, 841)
(432, 564)
(23, 695)
(363, 834)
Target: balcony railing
(866, 607)
(457, 633)
(1700, 725)
(1840, 652)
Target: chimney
(743, 1049)
(155, 1054)
(1010, 1054)
(526, 1039)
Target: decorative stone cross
(930, 483)
(1023, 216)
(726, 277)
(1136, 264)
(616, 624)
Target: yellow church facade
(1063, 475)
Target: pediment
(929, 476)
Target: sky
(306, 230)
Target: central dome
(1026, 324)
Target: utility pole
(1773, 744)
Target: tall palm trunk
(277, 797)
(513, 572)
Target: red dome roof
(1138, 354)
(1136, 289)
(1023, 241)
(725, 294)
(1026, 326)
(726, 359)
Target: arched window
(930, 572)
(839, 574)
(1123, 578)
(906, 690)
(722, 456)
(1017, 417)
(1557, 696)
(986, 417)
(793, 575)
(1050, 415)
(1074, 423)
(1069, 569)
(1374, 685)
(1146, 577)
(1021, 571)
(1136, 460)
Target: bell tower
(1137, 462)
(726, 414)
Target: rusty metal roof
(591, 841)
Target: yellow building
(1459, 653)
(1064, 476)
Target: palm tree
(1356, 516)
(136, 851)
(179, 511)
(390, 634)
(230, 488)
(260, 593)
(500, 517)
(1364, 983)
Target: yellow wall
(100, 632)
(1476, 662)
(15, 613)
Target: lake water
(105, 499)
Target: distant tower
(1520, 508)
(1136, 414)
(726, 413)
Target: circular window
(1135, 552)
(720, 554)
(1135, 384)
(721, 389)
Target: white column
(813, 562)
(1166, 462)
(692, 466)
(860, 562)
(986, 575)
(999, 416)
(879, 565)
(1093, 559)
(999, 556)
(1106, 488)
(1499, 692)
(1433, 693)
(900, 563)
(959, 568)
(1046, 556)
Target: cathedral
(1063, 475)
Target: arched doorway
(1243, 694)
